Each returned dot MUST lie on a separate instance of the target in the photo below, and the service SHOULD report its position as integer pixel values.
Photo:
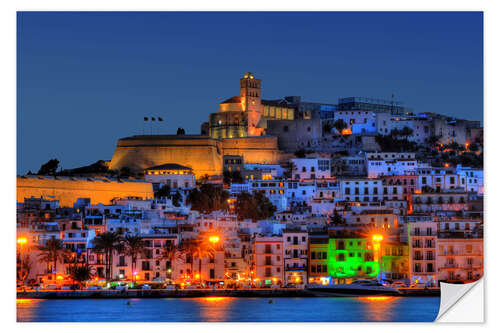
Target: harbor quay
(165, 293)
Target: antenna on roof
(392, 104)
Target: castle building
(239, 116)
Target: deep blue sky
(87, 79)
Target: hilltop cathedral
(237, 129)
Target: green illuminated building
(351, 258)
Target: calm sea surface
(348, 309)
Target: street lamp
(377, 239)
(21, 241)
(214, 239)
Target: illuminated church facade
(247, 114)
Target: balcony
(297, 268)
(460, 253)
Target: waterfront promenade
(188, 293)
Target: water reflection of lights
(215, 308)
(381, 299)
(379, 308)
(27, 301)
(27, 308)
(216, 299)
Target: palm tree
(187, 248)
(171, 253)
(80, 273)
(109, 243)
(52, 252)
(23, 268)
(202, 250)
(133, 247)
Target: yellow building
(68, 189)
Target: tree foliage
(390, 143)
(474, 147)
(52, 252)
(232, 177)
(23, 267)
(254, 206)
(125, 172)
(404, 132)
(339, 125)
(98, 167)
(208, 198)
(327, 127)
(49, 168)
(109, 243)
(301, 153)
(133, 246)
(337, 219)
(163, 192)
(176, 199)
(80, 273)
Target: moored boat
(357, 288)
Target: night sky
(88, 79)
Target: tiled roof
(169, 166)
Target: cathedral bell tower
(251, 102)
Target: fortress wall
(258, 149)
(67, 190)
(202, 154)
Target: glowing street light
(214, 239)
(21, 241)
(377, 238)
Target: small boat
(357, 288)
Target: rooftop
(234, 99)
(169, 166)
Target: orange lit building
(239, 116)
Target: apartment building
(459, 259)
(318, 258)
(311, 168)
(422, 238)
(295, 244)
(369, 189)
(268, 257)
(433, 202)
